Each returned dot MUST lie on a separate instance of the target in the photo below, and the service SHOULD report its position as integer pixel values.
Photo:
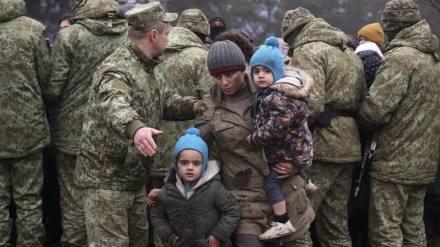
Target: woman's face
(229, 82)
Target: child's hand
(213, 241)
(248, 139)
(174, 240)
(151, 198)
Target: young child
(193, 208)
(280, 116)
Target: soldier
(185, 71)
(126, 96)
(24, 130)
(320, 50)
(403, 108)
(78, 50)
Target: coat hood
(295, 83)
(211, 171)
(11, 9)
(100, 16)
(320, 30)
(180, 38)
(418, 36)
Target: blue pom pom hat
(270, 57)
(191, 140)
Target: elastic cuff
(133, 126)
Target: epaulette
(208, 113)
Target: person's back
(185, 72)
(321, 51)
(402, 108)
(77, 51)
(24, 128)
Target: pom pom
(193, 131)
(272, 41)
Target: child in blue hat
(193, 208)
(280, 117)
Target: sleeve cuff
(133, 126)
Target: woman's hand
(284, 169)
(151, 198)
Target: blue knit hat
(270, 57)
(191, 140)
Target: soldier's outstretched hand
(143, 139)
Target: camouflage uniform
(24, 130)
(319, 49)
(77, 52)
(403, 108)
(185, 71)
(126, 95)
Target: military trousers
(396, 214)
(116, 218)
(23, 179)
(330, 203)
(71, 203)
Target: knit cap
(270, 57)
(194, 20)
(373, 32)
(405, 11)
(294, 19)
(191, 140)
(225, 56)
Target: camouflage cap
(294, 19)
(405, 11)
(146, 15)
(194, 20)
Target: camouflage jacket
(280, 116)
(185, 72)
(403, 108)
(126, 94)
(339, 83)
(244, 168)
(24, 66)
(77, 52)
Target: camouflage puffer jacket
(126, 94)
(185, 72)
(403, 108)
(77, 51)
(24, 66)
(319, 49)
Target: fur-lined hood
(295, 83)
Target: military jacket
(185, 72)
(24, 66)
(319, 49)
(243, 168)
(77, 52)
(403, 107)
(126, 94)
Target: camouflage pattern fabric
(330, 203)
(195, 21)
(121, 219)
(126, 94)
(24, 176)
(24, 66)
(396, 214)
(406, 82)
(146, 15)
(320, 50)
(71, 203)
(185, 72)
(77, 52)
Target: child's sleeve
(230, 208)
(161, 224)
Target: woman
(225, 119)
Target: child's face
(363, 40)
(189, 165)
(263, 76)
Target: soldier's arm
(61, 60)
(387, 90)
(177, 107)
(42, 62)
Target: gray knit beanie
(224, 56)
